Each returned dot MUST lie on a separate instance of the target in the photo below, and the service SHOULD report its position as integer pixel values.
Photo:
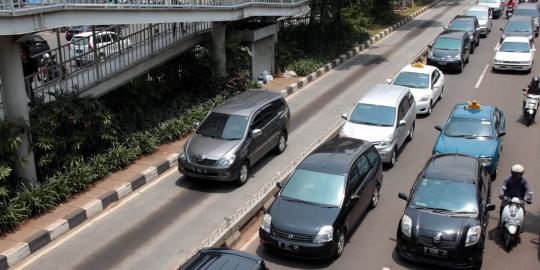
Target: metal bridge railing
(87, 61)
(14, 5)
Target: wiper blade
(434, 209)
(306, 202)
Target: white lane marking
(76, 231)
(481, 77)
(250, 241)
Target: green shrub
(305, 66)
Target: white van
(107, 43)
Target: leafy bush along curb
(79, 175)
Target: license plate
(442, 63)
(287, 246)
(79, 51)
(435, 252)
(198, 170)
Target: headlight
(406, 225)
(473, 235)
(387, 141)
(457, 57)
(266, 223)
(226, 160)
(425, 98)
(326, 234)
(486, 161)
(497, 61)
(182, 155)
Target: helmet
(518, 169)
(535, 81)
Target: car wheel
(441, 94)
(282, 143)
(472, 49)
(430, 109)
(411, 132)
(375, 197)
(460, 68)
(340, 245)
(493, 176)
(243, 173)
(478, 42)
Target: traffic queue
(331, 189)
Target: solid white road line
(40, 253)
(481, 77)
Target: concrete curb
(61, 226)
(292, 88)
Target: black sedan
(324, 199)
(451, 49)
(445, 220)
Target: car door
(258, 142)
(352, 206)
(500, 127)
(367, 181)
(436, 84)
(466, 43)
(401, 131)
(533, 50)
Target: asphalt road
(164, 221)
(372, 244)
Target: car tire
(430, 109)
(393, 158)
(461, 66)
(340, 244)
(441, 95)
(375, 197)
(478, 42)
(411, 132)
(282, 143)
(243, 173)
(472, 49)
(493, 176)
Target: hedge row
(81, 173)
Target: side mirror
(533, 50)
(502, 30)
(430, 46)
(279, 185)
(445, 27)
(439, 128)
(344, 116)
(490, 207)
(402, 123)
(196, 124)
(501, 134)
(256, 133)
(355, 197)
(402, 196)
(388, 81)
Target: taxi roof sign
(473, 105)
(418, 65)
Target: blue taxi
(475, 130)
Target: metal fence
(267, 190)
(14, 5)
(91, 57)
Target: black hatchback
(451, 49)
(445, 220)
(468, 24)
(323, 199)
(223, 258)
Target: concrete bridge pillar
(15, 103)
(218, 42)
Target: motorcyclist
(515, 186)
(534, 87)
(511, 4)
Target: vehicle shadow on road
(413, 265)
(276, 257)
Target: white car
(483, 15)
(426, 83)
(497, 6)
(514, 53)
(107, 43)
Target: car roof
(443, 166)
(479, 7)
(464, 18)
(335, 156)
(516, 18)
(517, 39)
(384, 95)
(426, 69)
(247, 102)
(222, 258)
(452, 34)
(485, 112)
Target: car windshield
(412, 79)
(223, 126)
(376, 115)
(468, 128)
(518, 27)
(450, 195)
(526, 12)
(521, 47)
(462, 26)
(314, 187)
(447, 44)
(80, 40)
(480, 15)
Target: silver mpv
(235, 135)
(386, 117)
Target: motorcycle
(511, 221)
(530, 107)
(509, 12)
